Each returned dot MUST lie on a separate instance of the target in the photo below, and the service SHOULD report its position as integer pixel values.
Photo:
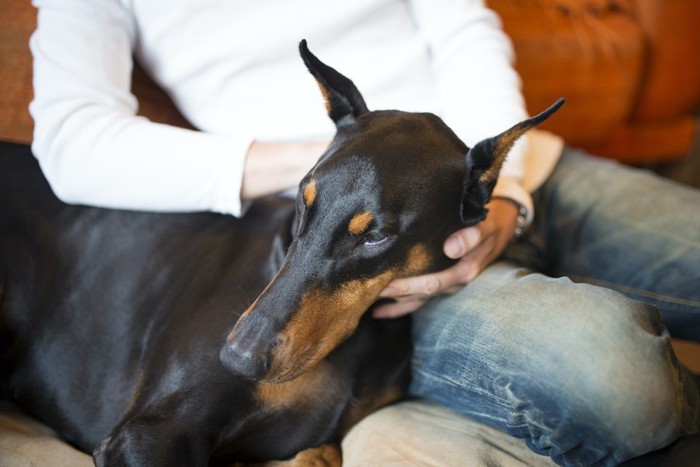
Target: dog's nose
(246, 351)
(244, 360)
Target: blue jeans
(544, 346)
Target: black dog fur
(133, 333)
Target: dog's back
(112, 316)
(89, 293)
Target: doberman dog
(133, 334)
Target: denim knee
(598, 402)
(583, 374)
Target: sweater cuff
(226, 197)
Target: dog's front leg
(161, 436)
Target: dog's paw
(326, 455)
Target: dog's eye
(374, 239)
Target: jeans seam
(491, 396)
(641, 292)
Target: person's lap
(581, 372)
(629, 230)
(419, 433)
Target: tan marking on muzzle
(310, 193)
(323, 320)
(360, 222)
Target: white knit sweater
(233, 69)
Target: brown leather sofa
(629, 68)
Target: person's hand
(274, 167)
(476, 247)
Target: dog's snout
(247, 349)
(244, 360)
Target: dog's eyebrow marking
(360, 222)
(310, 193)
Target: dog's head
(378, 205)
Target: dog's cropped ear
(344, 102)
(484, 162)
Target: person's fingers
(409, 294)
(461, 242)
(481, 256)
(396, 309)
(425, 285)
(429, 285)
(475, 248)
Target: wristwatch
(521, 223)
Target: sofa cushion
(590, 52)
(17, 22)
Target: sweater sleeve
(479, 90)
(90, 143)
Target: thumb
(461, 242)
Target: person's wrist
(274, 167)
(521, 220)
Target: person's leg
(582, 373)
(604, 223)
(420, 433)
